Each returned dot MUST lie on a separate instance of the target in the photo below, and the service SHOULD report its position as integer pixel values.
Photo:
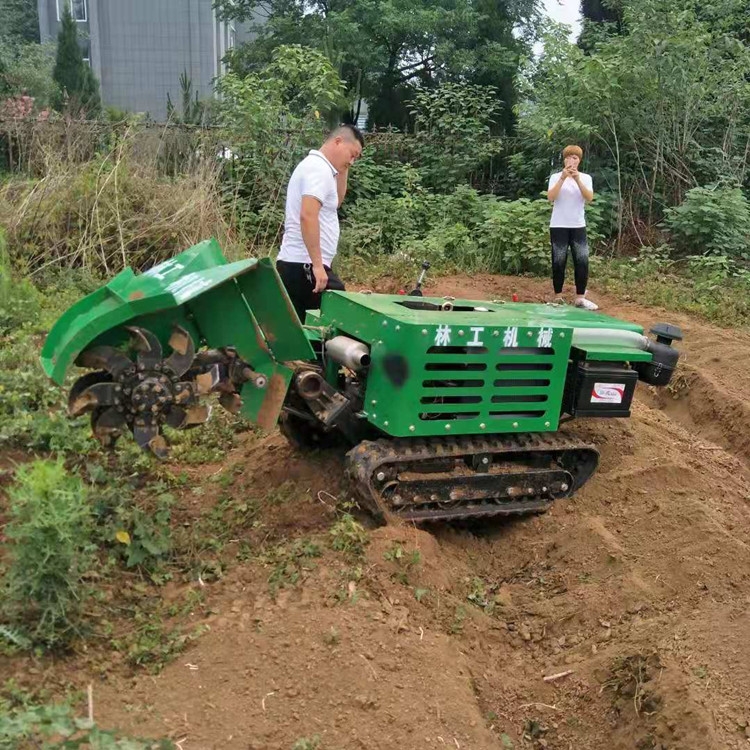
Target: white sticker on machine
(607, 393)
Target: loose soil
(633, 595)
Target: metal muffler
(348, 352)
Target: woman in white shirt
(569, 191)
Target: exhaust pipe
(347, 352)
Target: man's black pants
(299, 281)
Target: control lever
(417, 291)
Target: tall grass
(116, 209)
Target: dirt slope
(639, 586)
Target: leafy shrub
(712, 220)
(32, 414)
(50, 531)
(453, 131)
(514, 237)
(139, 536)
(19, 300)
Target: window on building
(77, 9)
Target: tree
(20, 21)
(661, 109)
(26, 69)
(384, 49)
(600, 20)
(79, 89)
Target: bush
(32, 407)
(514, 237)
(453, 131)
(51, 551)
(19, 300)
(712, 220)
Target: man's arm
(309, 222)
(586, 192)
(342, 179)
(554, 191)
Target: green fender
(243, 305)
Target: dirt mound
(616, 620)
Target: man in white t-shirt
(569, 191)
(311, 225)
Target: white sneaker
(587, 304)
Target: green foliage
(715, 288)
(20, 21)
(272, 119)
(453, 132)
(657, 109)
(349, 536)
(32, 412)
(210, 442)
(39, 725)
(194, 111)
(515, 237)
(50, 532)
(78, 85)
(381, 49)
(712, 221)
(141, 536)
(291, 563)
(307, 743)
(19, 300)
(27, 69)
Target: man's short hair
(347, 130)
(573, 151)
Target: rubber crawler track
(392, 456)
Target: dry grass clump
(112, 211)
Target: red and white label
(607, 393)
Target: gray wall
(139, 49)
(144, 46)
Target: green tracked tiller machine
(449, 407)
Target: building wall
(139, 49)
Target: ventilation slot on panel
(522, 383)
(455, 366)
(517, 351)
(451, 399)
(458, 350)
(524, 366)
(449, 416)
(515, 414)
(531, 399)
(453, 383)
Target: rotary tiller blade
(208, 380)
(84, 382)
(195, 415)
(107, 425)
(183, 352)
(147, 347)
(147, 436)
(107, 358)
(96, 395)
(231, 402)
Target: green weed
(291, 563)
(349, 536)
(51, 551)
